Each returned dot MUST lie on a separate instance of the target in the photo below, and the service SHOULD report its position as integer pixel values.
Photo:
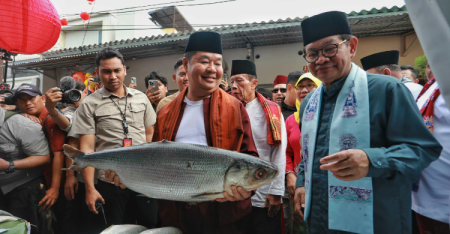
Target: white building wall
(75, 39)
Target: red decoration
(91, 1)
(79, 76)
(85, 16)
(28, 26)
(64, 22)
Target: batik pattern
(350, 104)
(312, 106)
(305, 152)
(347, 141)
(306, 184)
(351, 194)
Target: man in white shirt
(386, 63)
(430, 196)
(204, 114)
(270, 143)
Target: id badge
(127, 142)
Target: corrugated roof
(375, 22)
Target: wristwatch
(11, 168)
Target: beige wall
(278, 60)
(275, 60)
(50, 80)
(371, 45)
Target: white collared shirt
(273, 154)
(433, 197)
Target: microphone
(67, 83)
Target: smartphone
(153, 83)
(133, 80)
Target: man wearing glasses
(279, 89)
(363, 140)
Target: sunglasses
(282, 90)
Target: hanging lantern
(91, 1)
(28, 26)
(64, 22)
(85, 16)
(79, 76)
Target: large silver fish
(177, 171)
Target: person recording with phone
(180, 77)
(156, 85)
(133, 83)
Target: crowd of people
(359, 150)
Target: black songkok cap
(205, 41)
(324, 25)
(243, 67)
(380, 59)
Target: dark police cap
(324, 25)
(243, 67)
(379, 59)
(205, 41)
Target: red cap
(280, 79)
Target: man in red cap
(279, 89)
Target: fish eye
(260, 174)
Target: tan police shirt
(99, 116)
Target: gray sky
(236, 12)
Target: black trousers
(263, 224)
(23, 202)
(74, 216)
(17, 201)
(141, 210)
(116, 200)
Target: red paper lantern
(28, 26)
(91, 1)
(85, 16)
(64, 22)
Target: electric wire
(86, 29)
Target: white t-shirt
(273, 154)
(192, 125)
(433, 197)
(414, 88)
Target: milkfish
(178, 171)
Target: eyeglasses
(282, 90)
(308, 86)
(328, 51)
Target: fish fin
(209, 196)
(73, 153)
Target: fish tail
(73, 153)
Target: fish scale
(174, 171)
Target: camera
(70, 96)
(8, 99)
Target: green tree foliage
(420, 65)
